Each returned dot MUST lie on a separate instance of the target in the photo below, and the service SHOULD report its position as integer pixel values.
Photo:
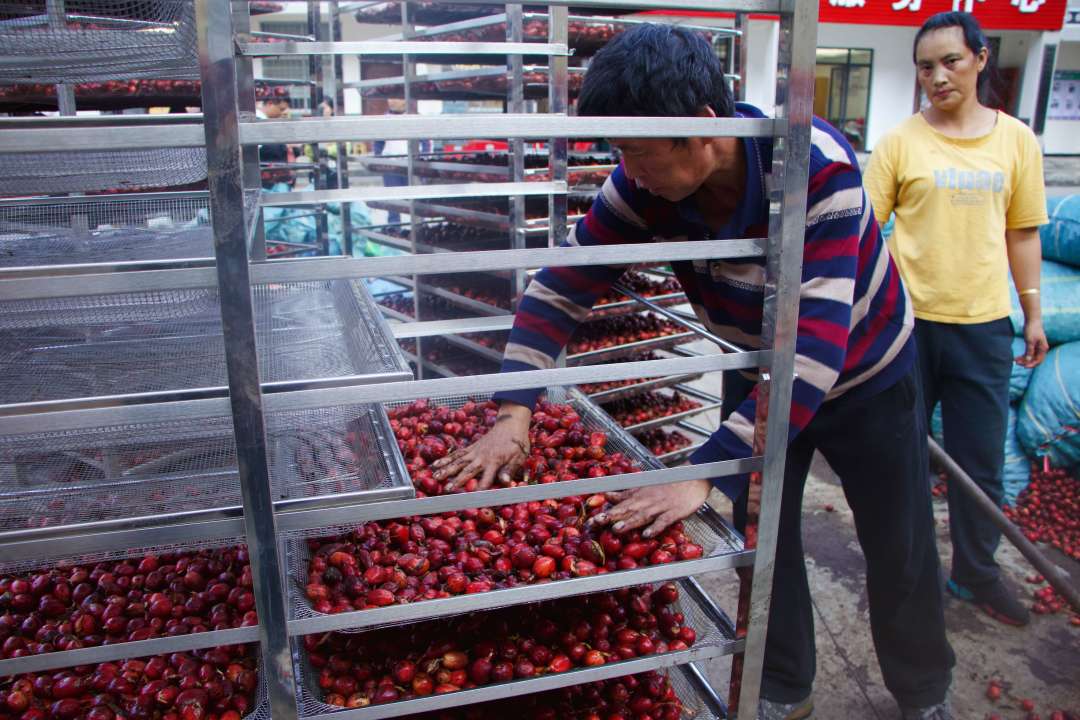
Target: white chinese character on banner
(1027, 6)
(964, 5)
(848, 3)
(912, 5)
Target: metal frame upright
(229, 130)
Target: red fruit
(993, 691)
(455, 660)
(457, 583)
(480, 671)
(379, 597)
(502, 671)
(523, 557)
(593, 657)
(524, 668)
(543, 567)
(17, 701)
(404, 672)
(1027, 705)
(422, 685)
(559, 663)
(65, 709)
(689, 551)
(635, 550)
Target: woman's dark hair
(657, 70)
(975, 40)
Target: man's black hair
(974, 39)
(655, 70)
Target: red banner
(991, 14)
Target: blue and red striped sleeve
(560, 298)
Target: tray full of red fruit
(680, 693)
(612, 338)
(656, 408)
(212, 684)
(507, 652)
(414, 567)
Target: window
(289, 68)
(842, 90)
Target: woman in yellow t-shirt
(966, 185)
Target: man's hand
(656, 506)
(1037, 345)
(501, 451)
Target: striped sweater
(854, 334)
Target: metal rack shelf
(154, 39)
(160, 342)
(646, 385)
(710, 402)
(98, 230)
(665, 342)
(699, 436)
(701, 614)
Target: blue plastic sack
(1021, 376)
(1061, 236)
(1049, 424)
(1016, 473)
(936, 426)
(1060, 298)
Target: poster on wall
(1065, 96)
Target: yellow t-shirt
(954, 198)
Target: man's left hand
(656, 506)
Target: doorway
(842, 78)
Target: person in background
(396, 148)
(966, 185)
(856, 396)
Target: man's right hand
(500, 452)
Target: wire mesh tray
(700, 614)
(664, 342)
(92, 170)
(167, 468)
(98, 40)
(161, 341)
(706, 529)
(107, 229)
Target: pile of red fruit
(641, 284)
(649, 406)
(622, 330)
(478, 550)
(662, 442)
(597, 387)
(1048, 510)
(646, 695)
(66, 608)
(1048, 601)
(994, 691)
(520, 642)
(184, 91)
(489, 296)
(398, 302)
(214, 684)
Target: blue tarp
(1061, 236)
(1049, 422)
(1021, 376)
(1016, 473)
(1060, 303)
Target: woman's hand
(655, 505)
(501, 451)
(1037, 346)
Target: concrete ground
(1040, 662)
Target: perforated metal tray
(712, 641)
(161, 469)
(108, 229)
(169, 340)
(97, 40)
(92, 170)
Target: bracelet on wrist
(1028, 291)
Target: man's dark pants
(966, 368)
(877, 445)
